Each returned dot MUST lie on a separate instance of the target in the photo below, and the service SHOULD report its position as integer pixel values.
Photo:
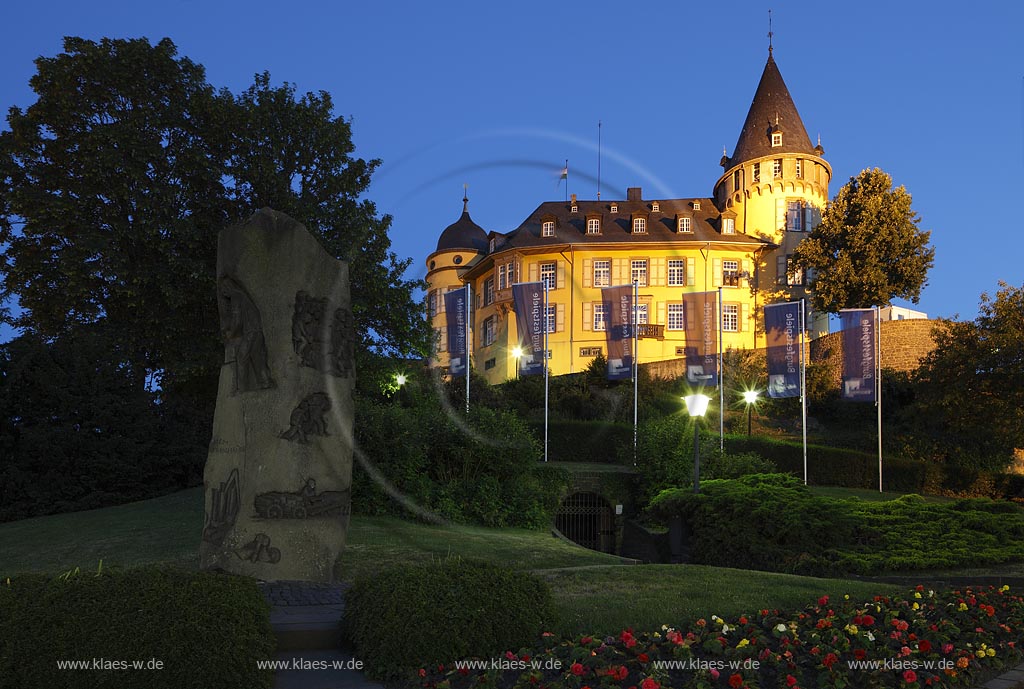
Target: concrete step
(307, 627)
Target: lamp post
(696, 406)
(400, 379)
(750, 397)
(517, 352)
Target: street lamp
(696, 406)
(400, 379)
(750, 397)
(517, 352)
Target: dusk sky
(498, 96)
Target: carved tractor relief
(242, 330)
(305, 503)
(309, 418)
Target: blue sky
(498, 96)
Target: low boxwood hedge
(417, 616)
(206, 630)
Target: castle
(770, 195)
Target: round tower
(460, 246)
(776, 182)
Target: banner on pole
(782, 334)
(455, 311)
(701, 338)
(531, 320)
(618, 309)
(859, 361)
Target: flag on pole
(455, 303)
(565, 173)
(618, 310)
(531, 320)
(859, 360)
(782, 333)
(701, 338)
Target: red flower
(743, 620)
(924, 645)
(576, 669)
(643, 658)
(586, 640)
(946, 648)
(868, 620)
(423, 673)
(790, 680)
(829, 660)
(860, 653)
(823, 601)
(714, 673)
(649, 683)
(736, 681)
(909, 676)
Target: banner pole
(469, 300)
(547, 366)
(636, 360)
(803, 380)
(721, 379)
(878, 388)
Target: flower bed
(925, 639)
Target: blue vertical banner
(699, 310)
(458, 350)
(618, 309)
(528, 298)
(782, 334)
(859, 354)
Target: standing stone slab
(279, 472)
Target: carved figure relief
(308, 320)
(242, 330)
(309, 418)
(342, 343)
(259, 550)
(303, 504)
(223, 510)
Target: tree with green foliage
(868, 249)
(970, 388)
(117, 179)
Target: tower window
(776, 139)
(736, 180)
(799, 168)
(639, 225)
(547, 229)
(757, 172)
(684, 225)
(777, 168)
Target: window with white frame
(550, 320)
(677, 272)
(696, 205)
(728, 225)
(640, 314)
(547, 228)
(638, 271)
(506, 274)
(432, 303)
(574, 209)
(684, 225)
(639, 225)
(731, 318)
(615, 208)
(593, 226)
(547, 274)
(488, 291)
(490, 331)
(600, 316)
(757, 172)
(676, 317)
(777, 168)
(795, 216)
(794, 274)
(731, 273)
(656, 207)
(776, 139)
(602, 273)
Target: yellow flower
(846, 596)
(1005, 589)
(657, 635)
(990, 652)
(962, 607)
(917, 594)
(851, 629)
(916, 606)
(742, 643)
(980, 653)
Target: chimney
(574, 198)
(634, 194)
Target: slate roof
(771, 101)
(463, 234)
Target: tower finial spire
(770, 34)
(465, 198)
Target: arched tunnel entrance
(587, 519)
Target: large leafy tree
(970, 388)
(868, 249)
(117, 179)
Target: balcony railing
(650, 330)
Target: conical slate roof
(771, 110)
(463, 234)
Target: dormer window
(547, 228)
(728, 225)
(776, 139)
(684, 225)
(493, 245)
(656, 207)
(593, 225)
(696, 205)
(615, 208)
(639, 225)
(574, 208)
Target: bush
(209, 630)
(586, 441)
(423, 615)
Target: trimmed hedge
(208, 630)
(585, 441)
(835, 466)
(419, 616)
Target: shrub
(586, 441)
(422, 615)
(209, 630)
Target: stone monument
(279, 472)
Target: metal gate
(587, 519)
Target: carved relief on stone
(223, 510)
(242, 330)
(343, 342)
(259, 550)
(305, 503)
(309, 418)
(306, 330)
